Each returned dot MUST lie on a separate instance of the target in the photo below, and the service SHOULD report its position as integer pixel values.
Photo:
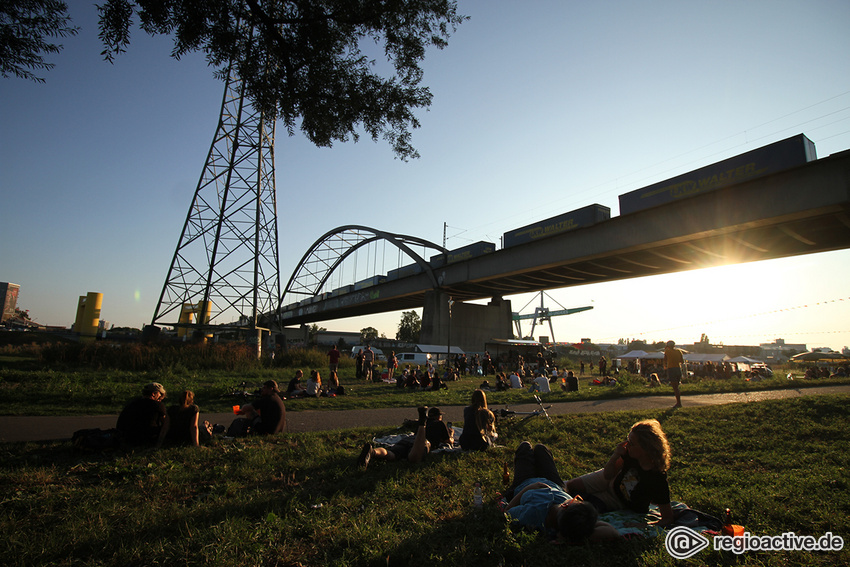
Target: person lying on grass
(431, 431)
(634, 477)
(536, 499)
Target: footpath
(47, 428)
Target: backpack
(96, 440)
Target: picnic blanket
(388, 440)
(624, 520)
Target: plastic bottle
(506, 475)
(477, 496)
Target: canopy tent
(634, 354)
(819, 357)
(744, 363)
(745, 360)
(703, 358)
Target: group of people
(634, 477)
(479, 432)
(423, 379)
(147, 422)
(314, 388)
(538, 382)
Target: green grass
(299, 499)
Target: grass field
(299, 499)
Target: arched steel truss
(329, 251)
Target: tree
(368, 334)
(25, 26)
(409, 327)
(312, 331)
(304, 59)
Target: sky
(540, 107)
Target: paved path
(44, 428)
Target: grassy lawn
(299, 499)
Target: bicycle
(507, 413)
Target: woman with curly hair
(634, 477)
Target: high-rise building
(9, 293)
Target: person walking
(674, 360)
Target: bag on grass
(239, 428)
(96, 440)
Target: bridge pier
(471, 325)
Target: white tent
(703, 358)
(634, 354)
(745, 360)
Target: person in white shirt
(515, 380)
(541, 384)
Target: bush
(142, 357)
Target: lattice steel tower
(225, 270)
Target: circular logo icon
(683, 542)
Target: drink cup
(236, 409)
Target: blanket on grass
(624, 520)
(388, 440)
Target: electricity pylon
(225, 271)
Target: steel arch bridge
(329, 251)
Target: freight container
(342, 290)
(773, 158)
(404, 271)
(465, 253)
(369, 282)
(586, 216)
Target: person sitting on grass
(144, 421)
(314, 385)
(183, 421)
(479, 424)
(268, 414)
(333, 383)
(437, 382)
(634, 477)
(296, 388)
(536, 499)
(431, 431)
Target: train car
(773, 158)
(465, 253)
(342, 290)
(404, 271)
(572, 220)
(369, 282)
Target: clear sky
(540, 107)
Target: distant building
(327, 338)
(9, 293)
(780, 351)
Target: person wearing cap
(674, 359)
(144, 421)
(431, 432)
(268, 414)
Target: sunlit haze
(540, 107)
